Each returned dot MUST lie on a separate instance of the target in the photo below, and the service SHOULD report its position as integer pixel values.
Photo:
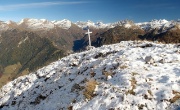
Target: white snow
(3, 26)
(36, 24)
(22, 41)
(98, 25)
(127, 25)
(158, 24)
(89, 23)
(124, 80)
(44, 24)
(65, 24)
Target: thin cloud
(160, 5)
(34, 5)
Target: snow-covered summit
(125, 23)
(129, 75)
(153, 24)
(89, 23)
(65, 24)
(158, 24)
(36, 24)
(3, 26)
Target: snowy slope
(124, 76)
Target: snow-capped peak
(65, 24)
(157, 24)
(10, 22)
(161, 21)
(125, 23)
(35, 24)
(44, 24)
(89, 23)
(28, 20)
(129, 75)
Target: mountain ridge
(40, 24)
(126, 75)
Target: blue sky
(94, 10)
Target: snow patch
(22, 41)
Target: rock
(109, 77)
(149, 59)
(161, 61)
(90, 47)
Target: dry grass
(175, 92)
(133, 84)
(12, 68)
(150, 79)
(24, 72)
(123, 67)
(134, 73)
(150, 92)
(107, 73)
(176, 97)
(5, 79)
(149, 95)
(11, 72)
(89, 89)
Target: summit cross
(89, 37)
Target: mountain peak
(65, 23)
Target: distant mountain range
(43, 24)
(30, 44)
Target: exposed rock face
(149, 59)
